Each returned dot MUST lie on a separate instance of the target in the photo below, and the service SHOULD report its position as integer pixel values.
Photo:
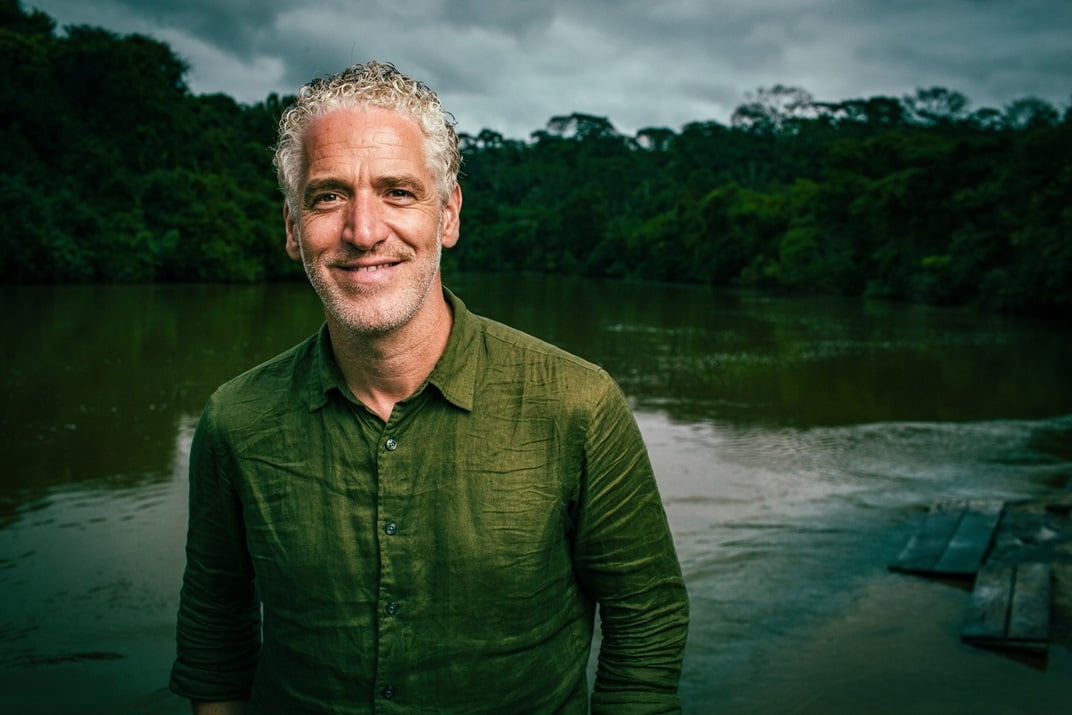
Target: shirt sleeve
(625, 556)
(219, 617)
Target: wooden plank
(968, 546)
(953, 539)
(1029, 615)
(1010, 607)
(926, 545)
(988, 608)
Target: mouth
(366, 274)
(367, 267)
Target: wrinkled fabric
(447, 561)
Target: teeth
(369, 269)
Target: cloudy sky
(510, 65)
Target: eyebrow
(403, 181)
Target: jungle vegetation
(114, 171)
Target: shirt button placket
(390, 528)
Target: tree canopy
(117, 172)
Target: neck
(382, 370)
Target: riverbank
(897, 648)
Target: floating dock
(1010, 603)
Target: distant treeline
(115, 171)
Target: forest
(117, 172)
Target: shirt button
(391, 444)
(392, 608)
(390, 528)
(388, 692)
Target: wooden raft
(1010, 607)
(953, 540)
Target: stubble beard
(380, 310)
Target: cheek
(317, 231)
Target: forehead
(358, 128)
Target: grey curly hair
(373, 84)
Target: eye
(326, 197)
(323, 195)
(400, 197)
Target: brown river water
(797, 444)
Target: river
(797, 443)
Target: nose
(364, 226)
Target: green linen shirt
(448, 561)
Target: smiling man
(416, 509)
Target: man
(416, 509)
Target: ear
(451, 218)
(293, 244)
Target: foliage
(117, 172)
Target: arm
(625, 556)
(219, 616)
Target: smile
(368, 269)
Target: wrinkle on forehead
(355, 136)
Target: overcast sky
(510, 65)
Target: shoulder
(516, 360)
(504, 342)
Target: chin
(372, 316)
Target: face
(371, 226)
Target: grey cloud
(512, 64)
(521, 18)
(232, 23)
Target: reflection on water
(796, 443)
(90, 577)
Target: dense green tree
(116, 171)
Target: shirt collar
(454, 374)
(324, 374)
